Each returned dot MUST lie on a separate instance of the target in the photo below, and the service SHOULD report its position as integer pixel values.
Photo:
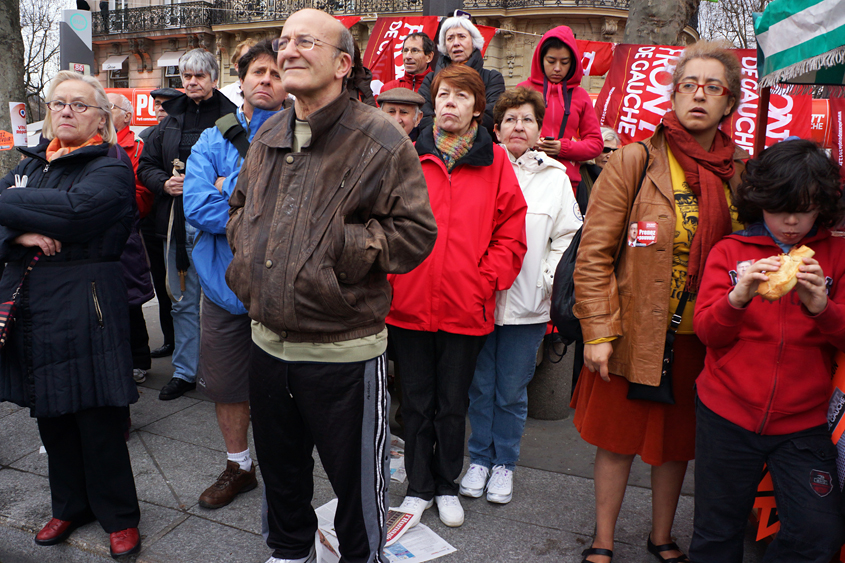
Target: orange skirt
(657, 432)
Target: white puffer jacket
(553, 219)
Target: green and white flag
(803, 41)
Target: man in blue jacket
(211, 175)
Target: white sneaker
(139, 375)
(310, 558)
(500, 486)
(415, 506)
(451, 511)
(473, 483)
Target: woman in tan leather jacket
(661, 236)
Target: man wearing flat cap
(405, 106)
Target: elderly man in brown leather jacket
(330, 200)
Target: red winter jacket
(769, 366)
(409, 81)
(480, 214)
(582, 138)
(133, 147)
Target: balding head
(315, 56)
(121, 111)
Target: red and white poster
(142, 104)
(596, 56)
(384, 49)
(636, 95)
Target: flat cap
(165, 92)
(401, 96)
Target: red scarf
(705, 172)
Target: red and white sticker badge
(642, 233)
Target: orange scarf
(55, 149)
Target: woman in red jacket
(442, 311)
(763, 394)
(571, 136)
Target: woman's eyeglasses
(76, 107)
(606, 150)
(709, 89)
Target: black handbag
(662, 393)
(563, 289)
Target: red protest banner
(384, 49)
(636, 95)
(142, 104)
(595, 56)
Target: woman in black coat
(68, 358)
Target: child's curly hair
(791, 176)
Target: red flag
(487, 33)
(595, 56)
(384, 49)
(348, 21)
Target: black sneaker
(175, 388)
(162, 351)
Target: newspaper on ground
(397, 459)
(419, 544)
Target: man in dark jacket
(460, 42)
(330, 200)
(162, 170)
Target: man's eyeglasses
(607, 150)
(709, 89)
(121, 108)
(76, 107)
(302, 43)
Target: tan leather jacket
(630, 302)
(316, 232)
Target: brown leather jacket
(316, 232)
(630, 302)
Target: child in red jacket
(763, 394)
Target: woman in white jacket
(498, 396)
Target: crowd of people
(302, 234)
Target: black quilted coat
(69, 348)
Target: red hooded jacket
(409, 81)
(769, 365)
(133, 147)
(582, 138)
(480, 213)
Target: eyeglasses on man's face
(76, 107)
(121, 108)
(301, 42)
(709, 89)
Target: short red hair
(464, 78)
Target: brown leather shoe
(230, 484)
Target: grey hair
(199, 60)
(346, 42)
(124, 102)
(608, 134)
(449, 23)
(108, 133)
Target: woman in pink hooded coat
(556, 73)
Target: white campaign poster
(17, 114)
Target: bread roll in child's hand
(783, 280)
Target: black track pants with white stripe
(342, 408)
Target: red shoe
(125, 542)
(56, 531)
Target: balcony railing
(513, 4)
(204, 14)
(154, 18)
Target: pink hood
(565, 34)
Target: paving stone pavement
(177, 451)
